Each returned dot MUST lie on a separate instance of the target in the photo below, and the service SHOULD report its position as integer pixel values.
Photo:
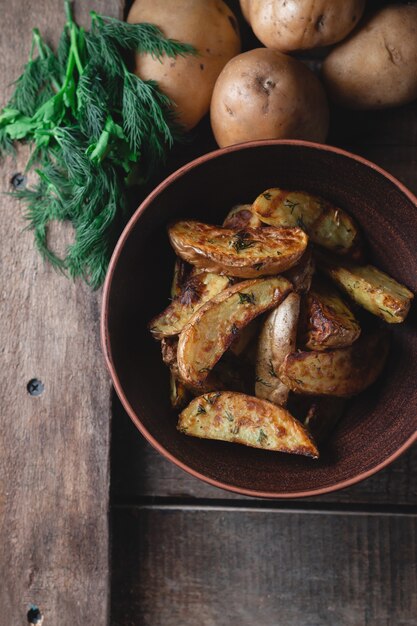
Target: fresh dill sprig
(90, 123)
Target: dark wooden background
(97, 528)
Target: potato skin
(301, 24)
(327, 320)
(248, 253)
(376, 67)
(211, 27)
(276, 340)
(238, 418)
(344, 372)
(264, 94)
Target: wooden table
(97, 528)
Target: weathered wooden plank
(222, 567)
(138, 471)
(54, 448)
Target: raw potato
(329, 323)
(197, 290)
(376, 67)
(264, 94)
(213, 327)
(245, 254)
(374, 290)
(239, 418)
(211, 27)
(325, 224)
(344, 372)
(277, 339)
(241, 217)
(301, 24)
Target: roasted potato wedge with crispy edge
(372, 289)
(276, 340)
(244, 338)
(344, 372)
(197, 289)
(181, 273)
(247, 253)
(328, 321)
(213, 327)
(324, 223)
(301, 274)
(241, 217)
(238, 418)
(228, 373)
(178, 393)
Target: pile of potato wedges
(272, 322)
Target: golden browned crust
(325, 224)
(328, 321)
(214, 326)
(238, 418)
(248, 253)
(344, 372)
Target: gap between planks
(173, 504)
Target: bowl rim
(105, 340)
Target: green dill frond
(92, 100)
(6, 144)
(145, 38)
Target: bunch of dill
(91, 123)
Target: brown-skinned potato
(264, 94)
(343, 372)
(211, 27)
(238, 418)
(213, 327)
(301, 24)
(376, 67)
(248, 253)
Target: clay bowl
(378, 425)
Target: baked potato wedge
(211, 330)
(244, 338)
(276, 340)
(197, 289)
(241, 217)
(181, 273)
(236, 417)
(227, 374)
(328, 321)
(324, 223)
(372, 289)
(179, 395)
(344, 372)
(301, 274)
(247, 253)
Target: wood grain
(223, 567)
(54, 472)
(138, 472)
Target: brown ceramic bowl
(378, 425)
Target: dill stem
(74, 49)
